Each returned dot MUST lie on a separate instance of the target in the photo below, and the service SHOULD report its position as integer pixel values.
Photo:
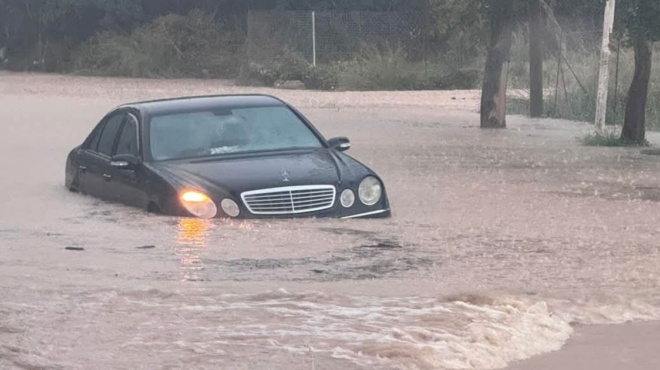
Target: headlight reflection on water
(193, 232)
(192, 242)
(194, 239)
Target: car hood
(233, 176)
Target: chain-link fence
(570, 75)
(324, 37)
(357, 51)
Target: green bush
(171, 46)
(288, 65)
(322, 77)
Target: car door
(96, 176)
(82, 158)
(127, 185)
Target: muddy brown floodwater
(501, 244)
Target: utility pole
(603, 78)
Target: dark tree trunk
(634, 127)
(535, 59)
(493, 94)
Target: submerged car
(230, 156)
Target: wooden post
(535, 59)
(603, 78)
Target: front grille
(289, 200)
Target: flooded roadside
(500, 243)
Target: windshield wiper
(223, 156)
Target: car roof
(194, 103)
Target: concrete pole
(603, 78)
(314, 39)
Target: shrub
(288, 65)
(379, 67)
(170, 46)
(322, 77)
(385, 67)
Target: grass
(609, 139)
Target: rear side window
(110, 131)
(128, 143)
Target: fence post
(561, 42)
(616, 79)
(603, 79)
(314, 38)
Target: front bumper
(358, 210)
(379, 210)
(383, 213)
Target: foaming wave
(459, 332)
(477, 332)
(478, 337)
(590, 312)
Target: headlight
(230, 207)
(370, 191)
(198, 204)
(347, 198)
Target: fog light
(230, 207)
(347, 198)
(198, 204)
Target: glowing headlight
(230, 207)
(198, 204)
(370, 191)
(347, 198)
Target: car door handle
(82, 168)
(107, 177)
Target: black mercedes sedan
(229, 156)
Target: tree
(639, 23)
(503, 15)
(535, 59)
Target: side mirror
(341, 144)
(125, 161)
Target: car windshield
(228, 131)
